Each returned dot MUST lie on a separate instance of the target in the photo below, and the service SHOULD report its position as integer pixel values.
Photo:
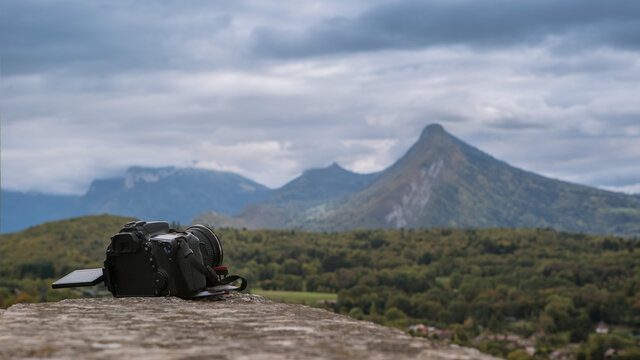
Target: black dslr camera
(150, 259)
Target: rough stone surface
(238, 326)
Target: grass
(297, 297)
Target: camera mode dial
(159, 281)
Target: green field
(297, 297)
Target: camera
(151, 259)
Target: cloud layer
(481, 24)
(268, 90)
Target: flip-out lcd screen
(86, 277)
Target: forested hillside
(546, 287)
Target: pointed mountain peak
(335, 166)
(433, 130)
(331, 169)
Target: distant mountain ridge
(440, 182)
(299, 203)
(168, 193)
(443, 182)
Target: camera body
(151, 259)
(147, 259)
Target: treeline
(553, 287)
(30, 260)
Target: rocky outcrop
(238, 326)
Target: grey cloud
(619, 174)
(582, 64)
(623, 120)
(566, 100)
(100, 36)
(515, 124)
(493, 23)
(97, 87)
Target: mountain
(443, 182)
(440, 182)
(169, 193)
(298, 203)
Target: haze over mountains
(168, 193)
(439, 182)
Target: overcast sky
(268, 89)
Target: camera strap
(207, 271)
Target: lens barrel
(210, 245)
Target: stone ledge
(237, 326)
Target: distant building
(602, 328)
(418, 329)
(431, 331)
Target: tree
(518, 354)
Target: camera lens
(209, 245)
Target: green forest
(508, 292)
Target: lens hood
(212, 254)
